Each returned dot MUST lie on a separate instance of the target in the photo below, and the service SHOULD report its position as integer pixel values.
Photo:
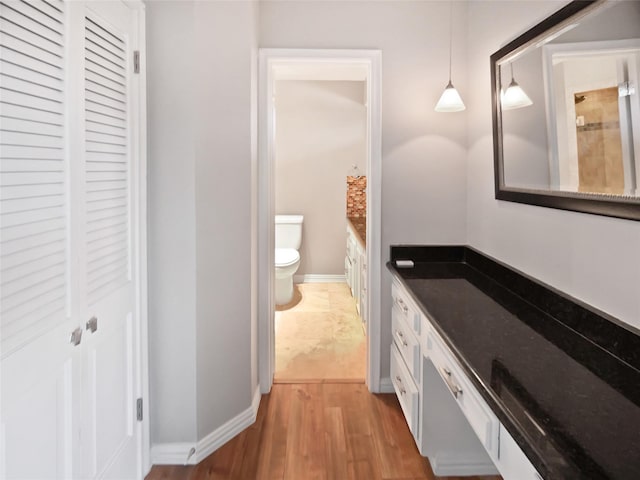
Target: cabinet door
(363, 286)
(356, 278)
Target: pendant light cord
(450, 35)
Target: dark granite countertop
(359, 226)
(569, 393)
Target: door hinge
(139, 409)
(136, 61)
(626, 89)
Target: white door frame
(268, 59)
(140, 206)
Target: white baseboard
(226, 432)
(172, 454)
(179, 453)
(386, 385)
(453, 466)
(319, 278)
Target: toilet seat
(285, 257)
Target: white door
(39, 423)
(109, 286)
(67, 244)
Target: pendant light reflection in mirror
(514, 96)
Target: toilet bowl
(287, 263)
(287, 258)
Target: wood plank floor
(316, 431)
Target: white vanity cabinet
(450, 421)
(362, 300)
(406, 358)
(355, 271)
(350, 261)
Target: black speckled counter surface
(562, 377)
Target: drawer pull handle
(404, 308)
(401, 338)
(402, 391)
(398, 378)
(455, 389)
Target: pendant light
(450, 101)
(514, 96)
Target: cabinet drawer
(513, 464)
(405, 307)
(406, 390)
(484, 423)
(408, 345)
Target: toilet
(287, 258)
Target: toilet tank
(289, 231)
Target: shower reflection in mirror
(594, 125)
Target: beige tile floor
(319, 336)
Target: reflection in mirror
(578, 135)
(597, 116)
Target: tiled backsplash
(357, 196)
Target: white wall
(423, 152)
(172, 231)
(321, 131)
(595, 259)
(225, 156)
(202, 164)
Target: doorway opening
(320, 181)
(319, 323)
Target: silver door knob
(76, 337)
(92, 324)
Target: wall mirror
(566, 111)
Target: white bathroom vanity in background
(355, 264)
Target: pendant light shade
(450, 100)
(514, 96)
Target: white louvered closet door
(68, 207)
(108, 232)
(40, 368)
